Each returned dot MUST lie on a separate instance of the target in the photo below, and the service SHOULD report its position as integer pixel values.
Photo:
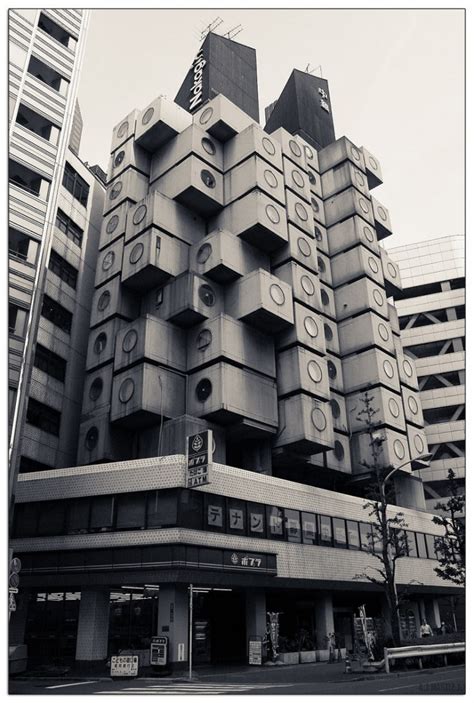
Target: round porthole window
(148, 115)
(116, 190)
(204, 339)
(119, 158)
(324, 297)
(205, 115)
(392, 270)
(108, 261)
(412, 404)
(92, 437)
(378, 297)
(373, 264)
(130, 341)
(112, 224)
(318, 419)
(270, 178)
(321, 265)
(332, 369)
(100, 343)
(297, 178)
(295, 148)
(203, 389)
(382, 213)
(363, 206)
(208, 179)
(399, 449)
(355, 153)
(126, 390)
(419, 444)
(388, 368)
(104, 300)
(318, 234)
(122, 130)
(277, 294)
(208, 146)
(269, 146)
(304, 246)
(338, 450)
(328, 333)
(312, 178)
(311, 326)
(309, 153)
(272, 214)
(373, 163)
(203, 253)
(95, 389)
(407, 367)
(206, 295)
(383, 332)
(359, 178)
(335, 409)
(301, 212)
(393, 407)
(136, 253)
(139, 214)
(307, 285)
(314, 205)
(314, 371)
(368, 234)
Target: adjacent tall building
(240, 287)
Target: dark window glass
(190, 509)
(42, 416)
(353, 539)
(78, 516)
(215, 513)
(51, 518)
(55, 313)
(162, 508)
(22, 247)
(131, 511)
(411, 541)
(430, 546)
(377, 537)
(339, 528)
(292, 525)
(102, 513)
(236, 516)
(309, 530)
(28, 465)
(63, 269)
(70, 229)
(275, 522)
(17, 318)
(256, 520)
(76, 185)
(54, 30)
(25, 519)
(50, 363)
(324, 531)
(365, 536)
(420, 543)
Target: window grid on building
(43, 416)
(69, 227)
(63, 269)
(76, 185)
(49, 362)
(57, 314)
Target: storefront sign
(159, 651)
(245, 560)
(255, 651)
(196, 88)
(198, 458)
(124, 665)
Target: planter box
(307, 657)
(322, 655)
(290, 657)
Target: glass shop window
(292, 525)
(420, 543)
(26, 519)
(324, 531)
(430, 546)
(215, 513)
(51, 518)
(190, 509)
(308, 525)
(77, 522)
(256, 520)
(353, 538)
(102, 514)
(411, 541)
(236, 516)
(339, 527)
(162, 508)
(275, 522)
(365, 536)
(131, 511)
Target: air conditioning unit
(307, 331)
(370, 368)
(221, 118)
(413, 408)
(291, 147)
(347, 204)
(109, 262)
(194, 184)
(190, 299)
(300, 248)
(335, 375)
(355, 263)
(124, 130)
(150, 339)
(224, 257)
(317, 206)
(387, 404)
(304, 284)
(391, 272)
(344, 175)
(227, 338)
(226, 394)
(382, 222)
(97, 392)
(339, 151)
(299, 213)
(114, 225)
(166, 214)
(144, 394)
(128, 155)
(173, 440)
(130, 187)
(353, 231)
(253, 173)
(262, 300)
(256, 218)
(151, 259)
(360, 296)
(417, 442)
(372, 168)
(100, 442)
(112, 300)
(296, 179)
(159, 122)
(407, 371)
(101, 343)
(321, 236)
(252, 141)
(364, 331)
(305, 425)
(394, 451)
(302, 371)
(193, 141)
(393, 319)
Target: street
(310, 679)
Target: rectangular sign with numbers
(198, 458)
(124, 665)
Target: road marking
(190, 688)
(427, 683)
(65, 685)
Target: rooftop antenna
(211, 27)
(234, 31)
(308, 69)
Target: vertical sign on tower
(198, 458)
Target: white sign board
(124, 665)
(198, 458)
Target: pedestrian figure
(425, 629)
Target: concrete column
(432, 612)
(324, 616)
(409, 491)
(255, 614)
(257, 456)
(173, 620)
(93, 626)
(17, 624)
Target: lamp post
(420, 462)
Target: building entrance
(219, 627)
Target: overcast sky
(396, 79)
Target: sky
(396, 80)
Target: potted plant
(306, 647)
(288, 651)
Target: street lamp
(419, 462)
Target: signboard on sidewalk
(159, 651)
(198, 458)
(255, 651)
(124, 665)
